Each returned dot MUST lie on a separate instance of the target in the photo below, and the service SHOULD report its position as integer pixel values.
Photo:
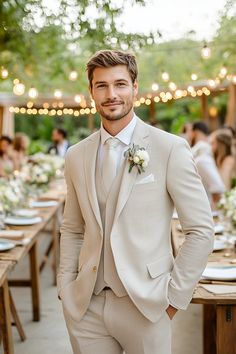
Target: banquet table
(9, 259)
(5, 312)
(219, 310)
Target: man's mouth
(111, 104)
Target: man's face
(56, 137)
(113, 92)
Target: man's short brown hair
(110, 58)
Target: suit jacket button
(94, 268)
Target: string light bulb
(205, 52)
(223, 72)
(4, 73)
(73, 75)
(33, 93)
(194, 76)
(77, 98)
(172, 86)
(19, 89)
(165, 76)
(155, 87)
(212, 83)
(58, 94)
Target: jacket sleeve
(188, 194)
(72, 232)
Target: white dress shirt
(62, 148)
(124, 137)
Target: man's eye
(120, 84)
(101, 86)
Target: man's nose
(111, 92)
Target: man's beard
(117, 116)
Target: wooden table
(5, 311)
(219, 312)
(9, 259)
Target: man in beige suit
(118, 281)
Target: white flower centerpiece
(11, 195)
(227, 204)
(41, 169)
(138, 157)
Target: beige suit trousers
(113, 325)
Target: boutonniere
(138, 157)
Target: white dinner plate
(6, 245)
(25, 212)
(43, 203)
(219, 245)
(220, 273)
(22, 221)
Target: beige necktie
(109, 165)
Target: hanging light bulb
(155, 87)
(212, 83)
(33, 93)
(73, 75)
(19, 89)
(77, 98)
(194, 77)
(223, 72)
(57, 94)
(4, 73)
(172, 86)
(165, 76)
(206, 52)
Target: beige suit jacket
(140, 229)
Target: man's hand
(171, 311)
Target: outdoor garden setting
(145, 226)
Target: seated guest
(7, 163)
(186, 132)
(205, 163)
(222, 147)
(20, 146)
(60, 143)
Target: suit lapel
(140, 137)
(89, 166)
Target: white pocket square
(147, 179)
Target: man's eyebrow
(105, 82)
(124, 80)
(99, 82)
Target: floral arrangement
(138, 157)
(11, 194)
(227, 204)
(41, 169)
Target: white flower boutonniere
(138, 157)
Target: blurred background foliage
(40, 45)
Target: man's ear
(90, 92)
(135, 86)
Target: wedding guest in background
(187, 132)
(222, 147)
(20, 146)
(7, 163)
(205, 163)
(60, 142)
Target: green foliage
(40, 44)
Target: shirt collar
(125, 135)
